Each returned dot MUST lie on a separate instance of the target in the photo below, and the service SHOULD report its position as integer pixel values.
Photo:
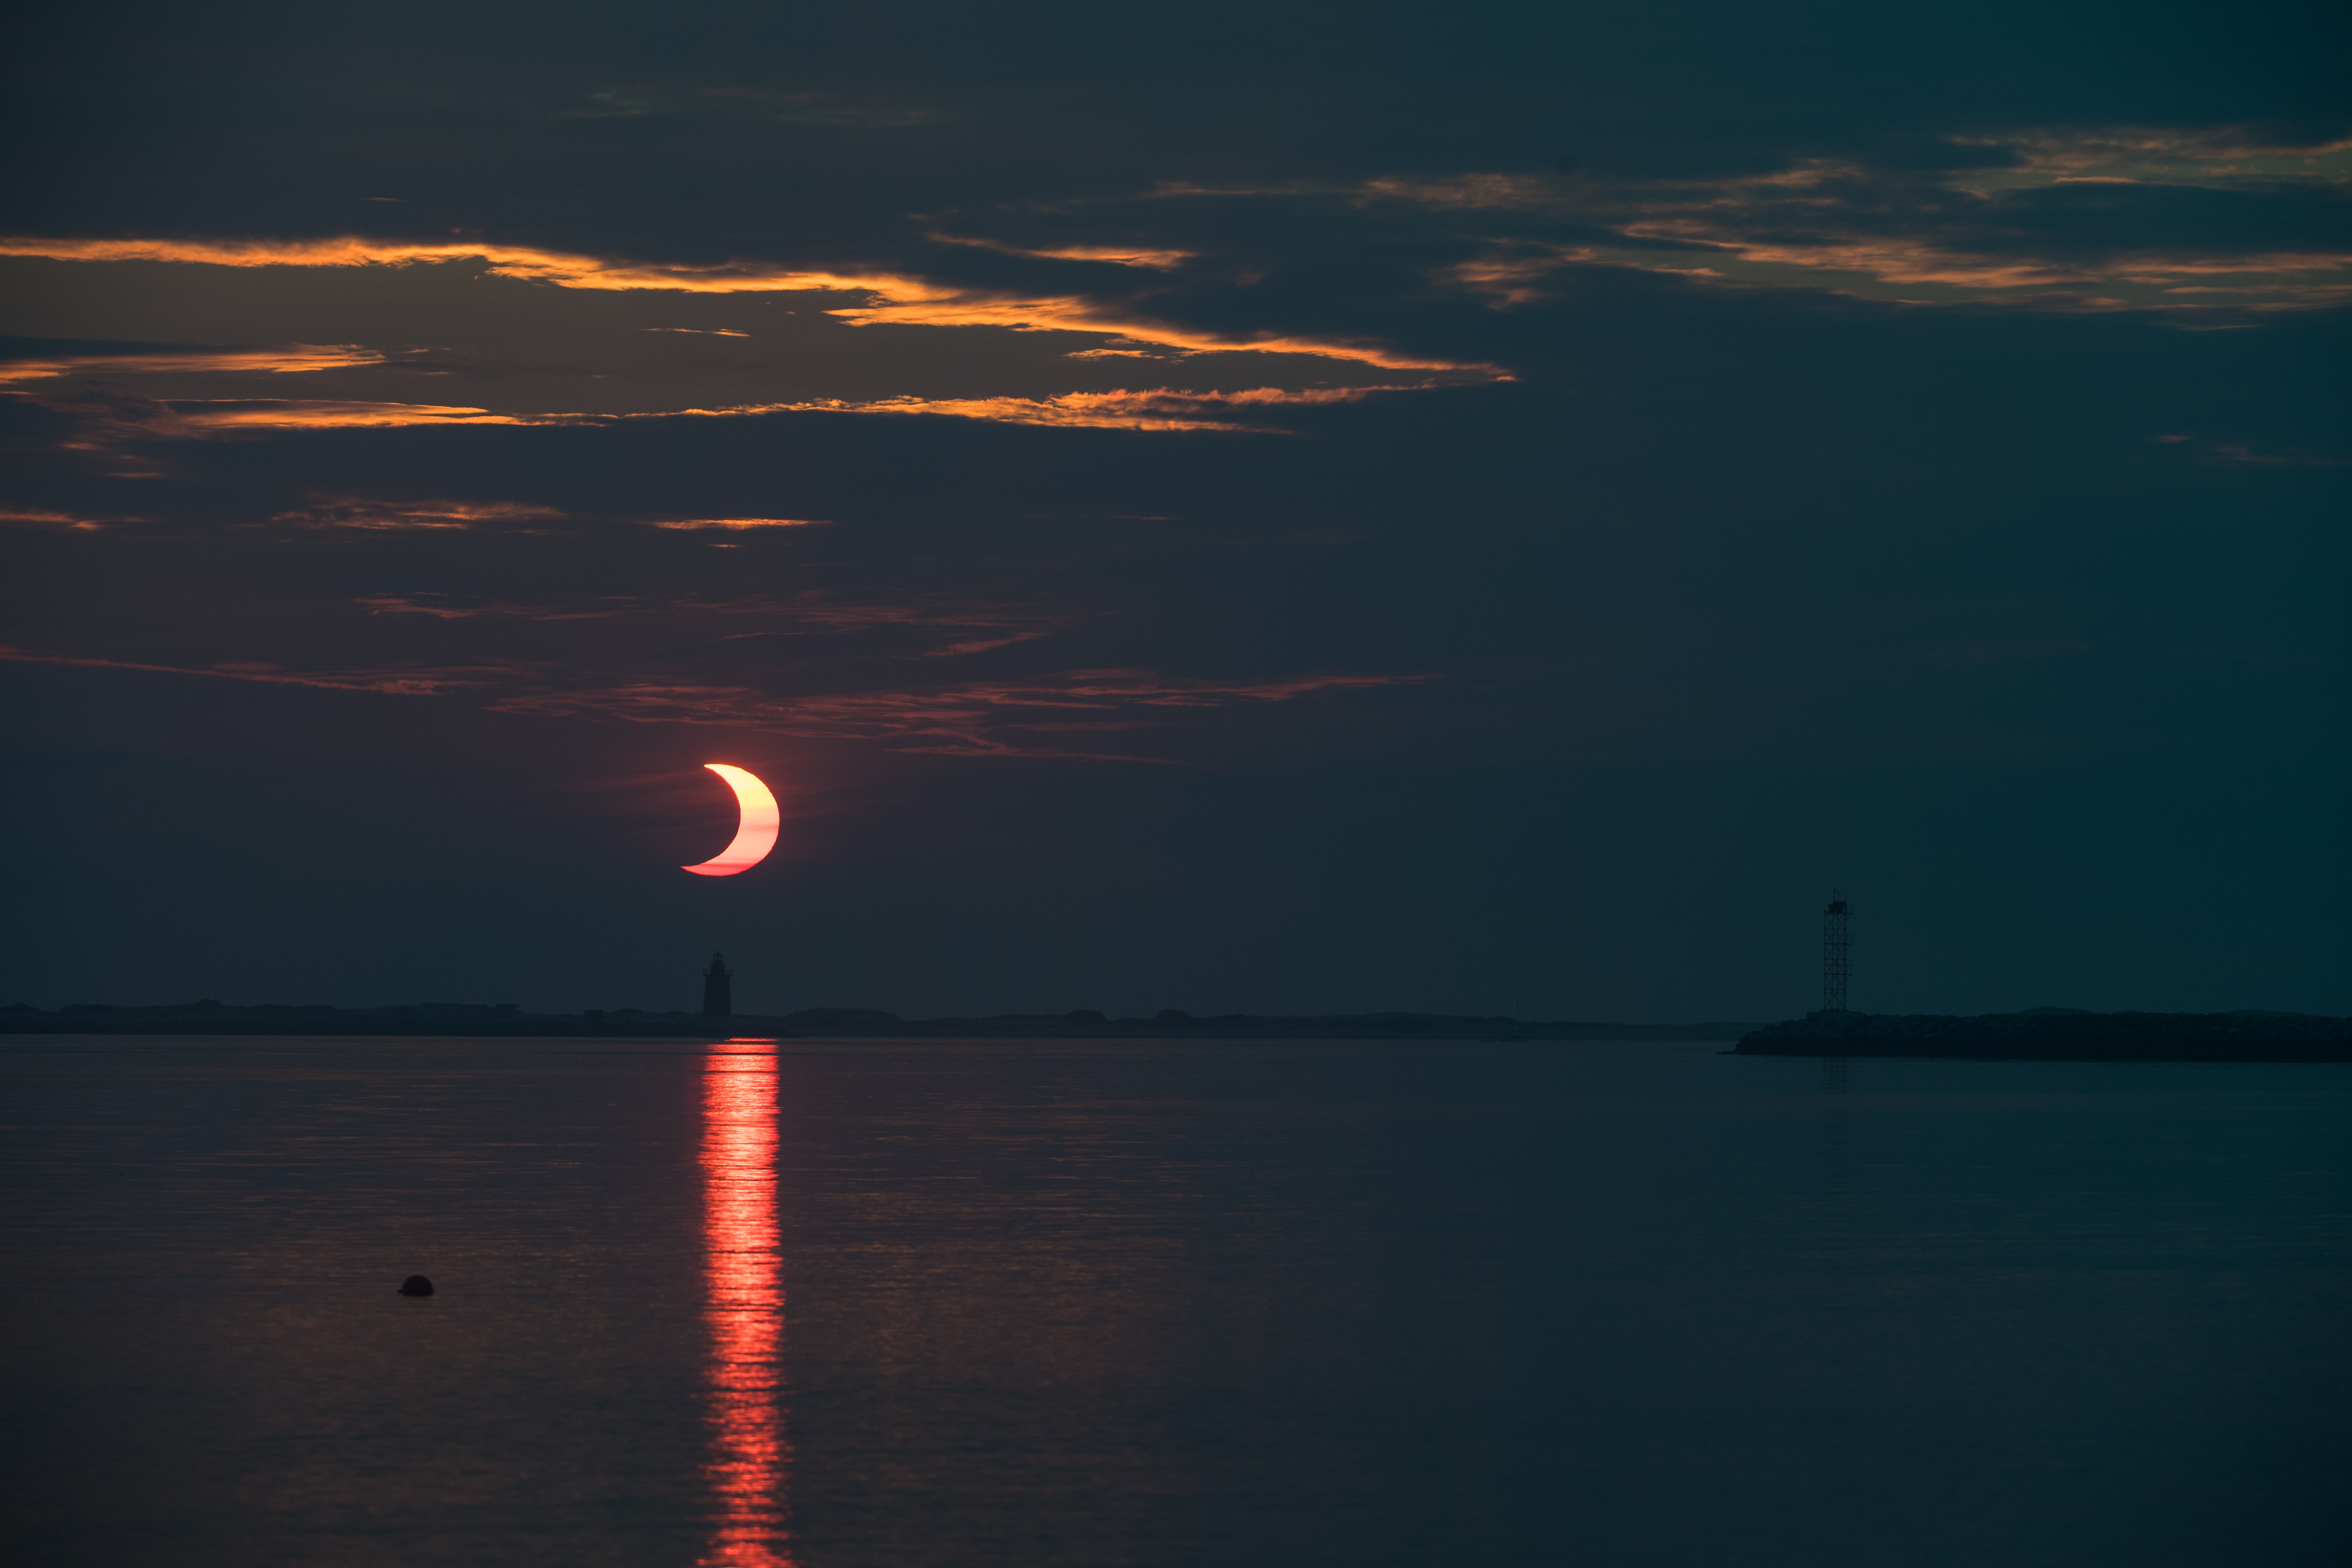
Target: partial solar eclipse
(755, 833)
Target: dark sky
(1240, 507)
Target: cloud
(737, 102)
(2114, 220)
(2212, 155)
(562, 269)
(336, 413)
(900, 296)
(347, 512)
(1004, 625)
(976, 718)
(809, 613)
(740, 522)
(1118, 410)
(604, 606)
(973, 720)
(405, 681)
(1076, 313)
(125, 412)
(1156, 261)
(460, 607)
(29, 517)
(99, 414)
(2239, 452)
(293, 358)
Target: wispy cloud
(976, 718)
(396, 681)
(1118, 410)
(464, 607)
(1153, 259)
(604, 606)
(291, 358)
(339, 414)
(32, 517)
(749, 103)
(949, 624)
(2216, 154)
(2188, 221)
(561, 268)
(898, 296)
(350, 512)
(740, 522)
(2239, 452)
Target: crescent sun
(755, 834)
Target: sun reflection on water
(750, 1459)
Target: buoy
(416, 1285)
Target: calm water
(839, 1305)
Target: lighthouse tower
(1836, 969)
(718, 999)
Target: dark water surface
(1050, 1303)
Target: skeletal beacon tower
(1834, 966)
(718, 999)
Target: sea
(1069, 1304)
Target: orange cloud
(1900, 260)
(2205, 154)
(347, 512)
(325, 414)
(1825, 217)
(556, 267)
(899, 297)
(745, 522)
(292, 358)
(1121, 410)
(1892, 260)
(27, 517)
(1522, 193)
(1121, 256)
(1512, 277)
(1073, 313)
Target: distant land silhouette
(210, 1017)
(2047, 1034)
(2062, 1034)
(505, 1018)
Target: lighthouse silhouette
(717, 998)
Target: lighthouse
(1836, 968)
(718, 999)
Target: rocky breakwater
(2061, 1035)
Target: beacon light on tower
(756, 831)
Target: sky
(1270, 509)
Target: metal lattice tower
(1835, 966)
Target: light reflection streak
(751, 1458)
